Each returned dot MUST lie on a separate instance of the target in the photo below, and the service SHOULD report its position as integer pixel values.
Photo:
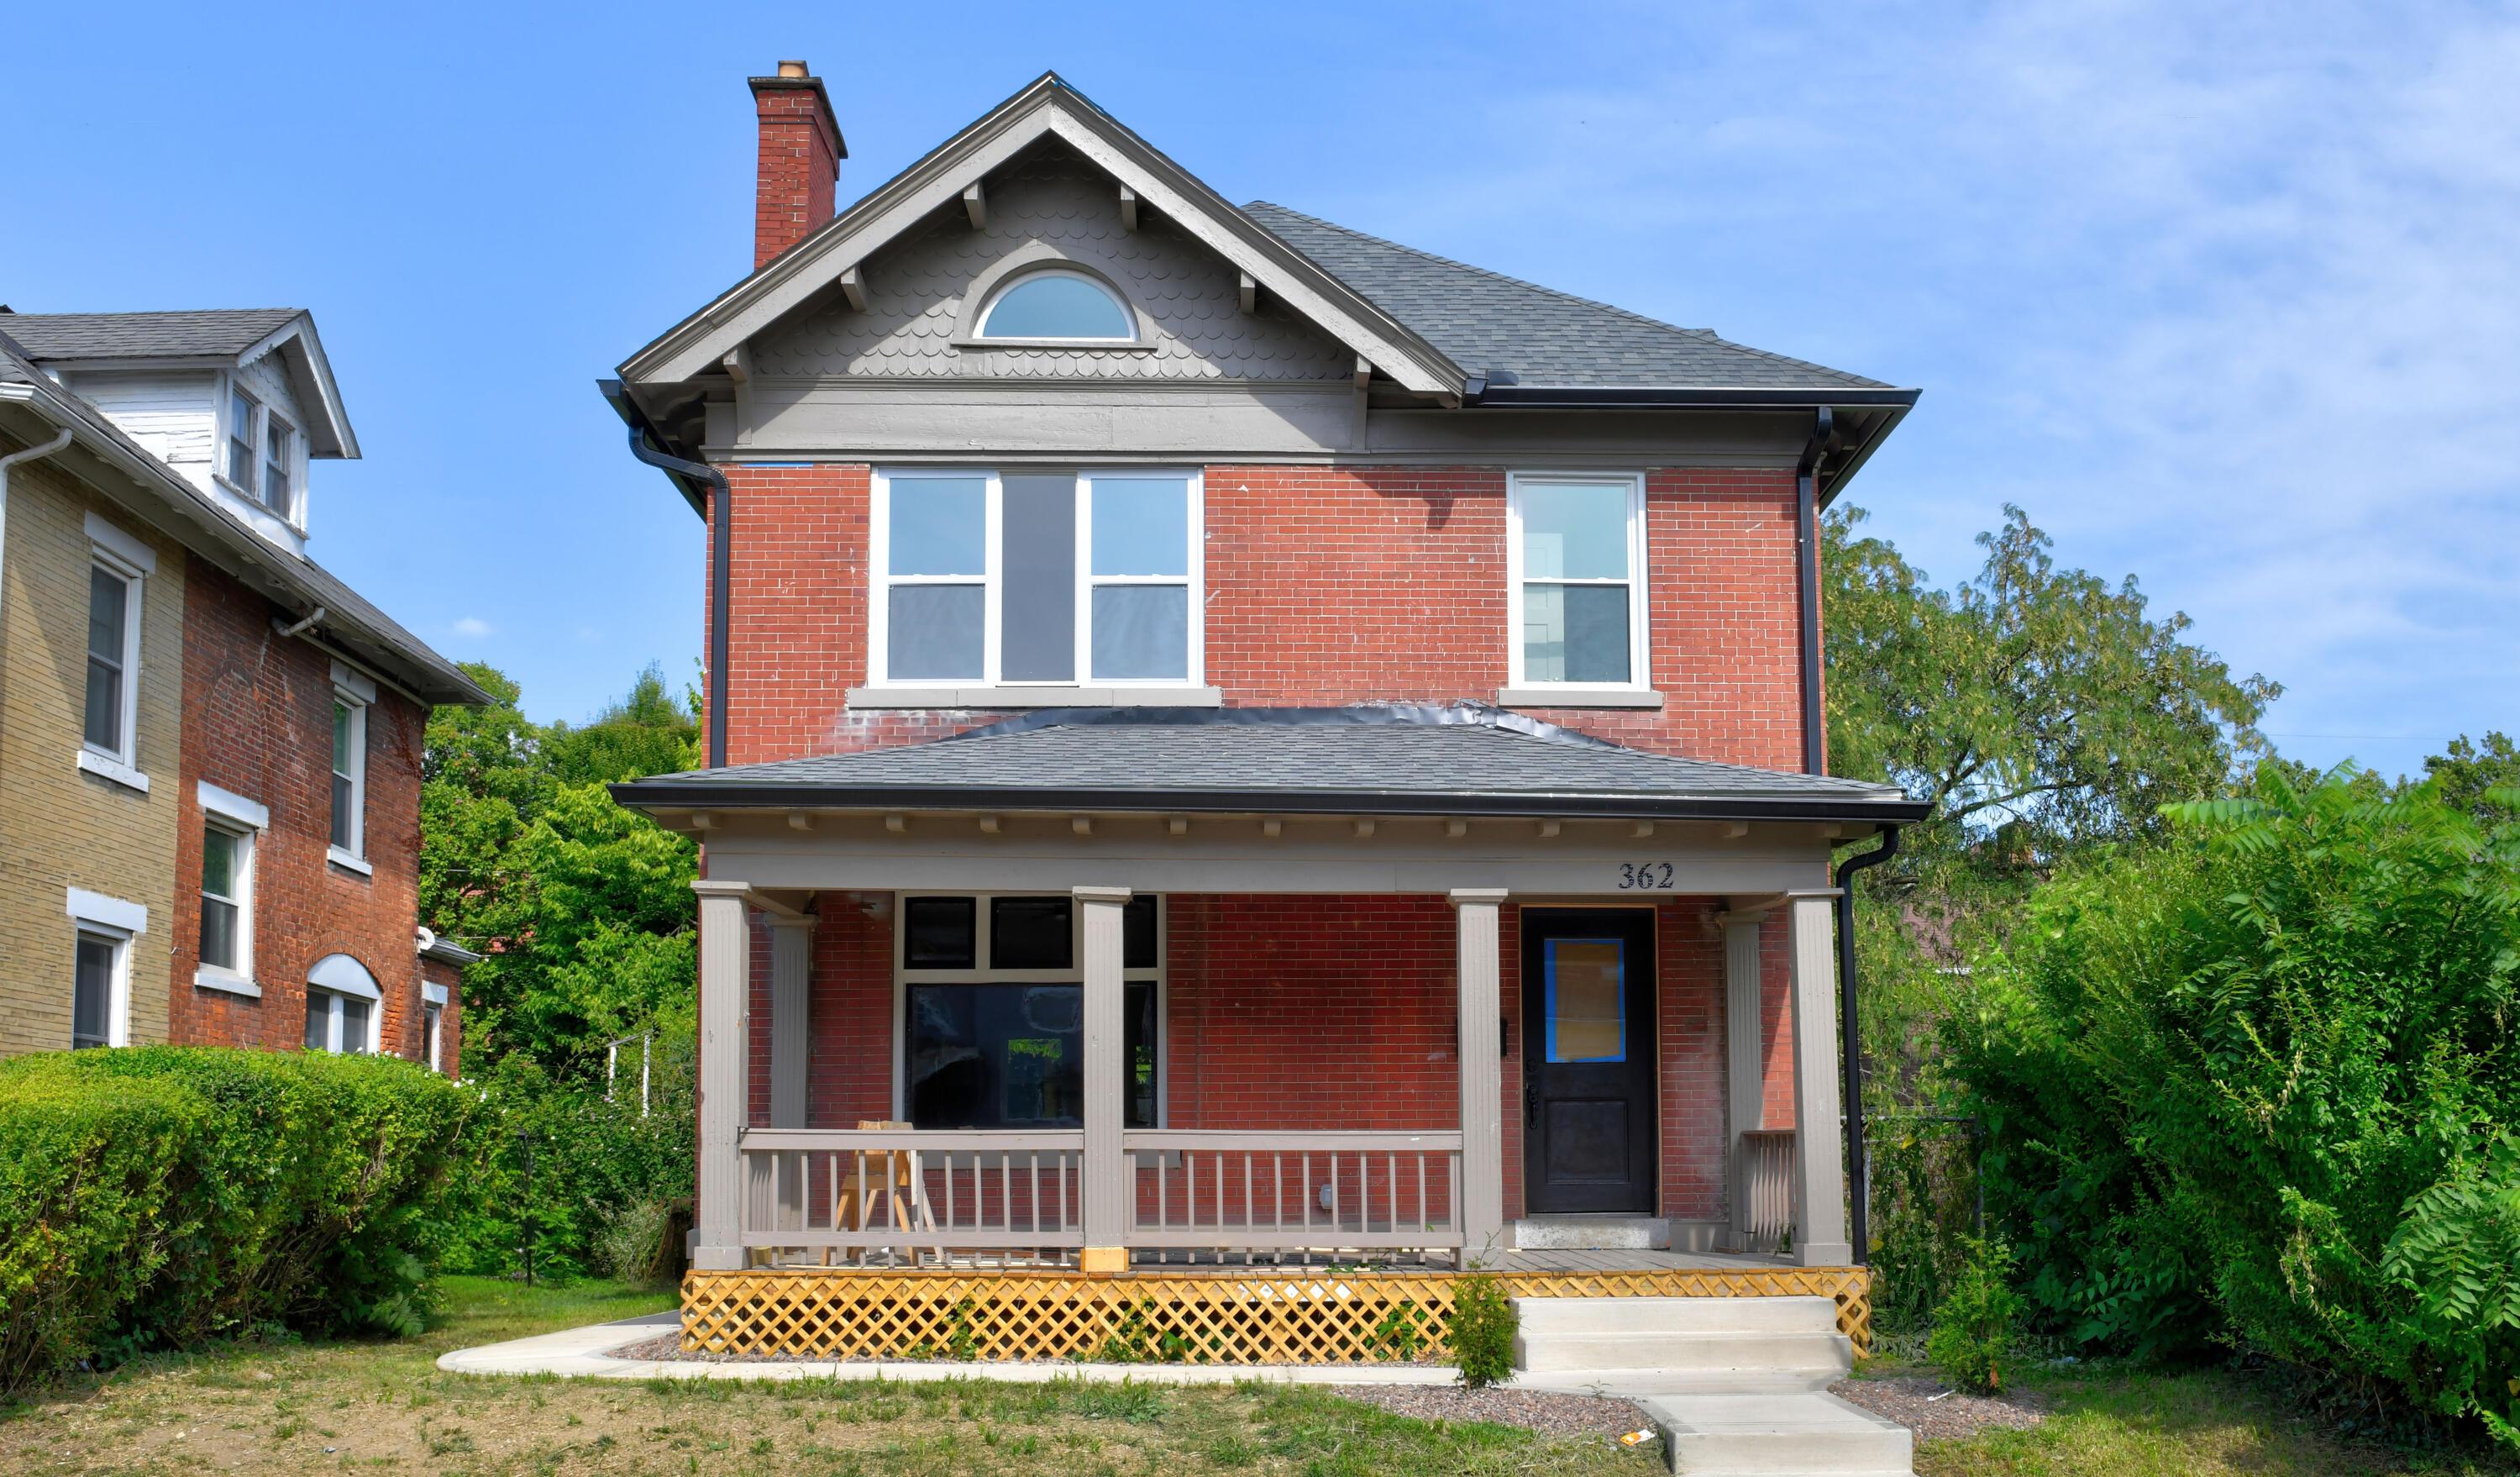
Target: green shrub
(633, 1246)
(84, 1171)
(2254, 1082)
(257, 1189)
(1483, 1329)
(1973, 1328)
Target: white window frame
(1640, 659)
(1128, 311)
(244, 820)
(126, 559)
(880, 582)
(275, 426)
(432, 1026)
(357, 692)
(114, 923)
(903, 977)
(330, 993)
(255, 434)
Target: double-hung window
(342, 1004)
(262, 450)
(227, 884)
(352, 696)
(1036, 578)
(242, 411)
(992, 1009)
(109, 729)
(1575, 572)
(279, 447)
(97, 968)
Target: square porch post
(1820, 1171)
(792, 987)
(726, 990)
(1745, 1066)
(1108, 1179)
(1482, 1185)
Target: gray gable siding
(915, 290)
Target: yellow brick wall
(60, 828)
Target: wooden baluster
(1422, 1189)
(1219, 1209)
(1246, 1191)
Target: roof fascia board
(1837, 477)
(300, 330)
(183, 512)
(700, 341)
(653, 795)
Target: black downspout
(1807, 563)
(1859, 1176)
(721, 536)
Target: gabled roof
(1463, 759)
(166, 500)
(1048, 107)
(223, 338)
(1518, 332)
(224, 333)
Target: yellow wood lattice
(1310, 1318)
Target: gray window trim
(1024, 261)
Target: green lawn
(383, 1407)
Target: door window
(1585, 999)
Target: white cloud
(472, 625)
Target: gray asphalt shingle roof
(1492, 324)
(143, 336)
(1368, 760)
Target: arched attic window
(1058, 306)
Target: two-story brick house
(209, 746)
(1231, 738)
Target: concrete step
(1767, 1435)
(1692, 1353)
(1622, 1316)
(1588, 1234)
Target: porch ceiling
(1458, 760)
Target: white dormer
(237, 401)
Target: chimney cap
(797, 68)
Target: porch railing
(913, 1191)
(1266, 1192)
(1766, 1186)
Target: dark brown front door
(1588, 1059)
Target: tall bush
(167, 1195)
(2254, 1082)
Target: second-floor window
(1575, 558)
(349, 775)
(262, 450)
(1036, 577)
(227, 891)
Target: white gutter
(22, 394)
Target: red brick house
(1235, 739)
(216, 742)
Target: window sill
(213, 977)
(1578, 697)
(348, 863)
(104, 768)
(977, 697)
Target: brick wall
(258, 722)
(60, 827)
(1398, 594)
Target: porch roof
(1462, 759)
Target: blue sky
(2222, 294)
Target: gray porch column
(1745, 1063)
(791, 984)
(726, 990)
(1107, 1179)
(1820, 1170)
(1482, 1186)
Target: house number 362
(1644, 876)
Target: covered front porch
(1315, 1055)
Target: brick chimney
(799, 162)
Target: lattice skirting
(1312, 1318)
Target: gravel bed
(1545, 1411)
(1909, 1400)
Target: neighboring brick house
(209, 746)
(1197, 689)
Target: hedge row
(162, 1196)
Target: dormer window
(279, 448)
(262, 452)
(1059, 307)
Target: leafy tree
(2037, 710)
(2261, 1078)
(2467, 773)
(646, 732)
